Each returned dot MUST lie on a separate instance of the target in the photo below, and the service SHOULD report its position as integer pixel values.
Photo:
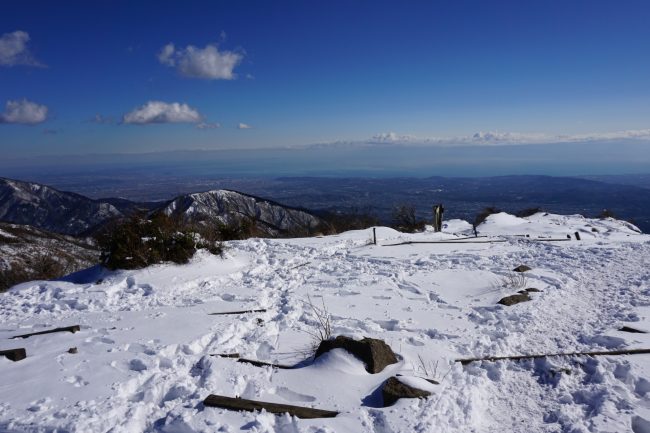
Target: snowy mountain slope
(144, 364)
(27, 251)
(50, 209)
(230, 206)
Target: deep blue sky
(314, 72)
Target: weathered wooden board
(632, 330)
(14, 354)
(251, 405)
(520, 357)
(73, 329)
(252, 361)
(222, 313)
(456, 241)
(264, 364)
(226, 355)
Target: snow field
(144, 363)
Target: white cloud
(243, 126)
(207, 63)
(208, 125)
(14, 51)
(490, 138)
(101, 119)
(163, 112)
(166, 55)
(504, 138)
(23, 111)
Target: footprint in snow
(290, 395)
(137, 365)
(76, 381)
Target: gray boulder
(373, 352)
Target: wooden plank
(73, 329)
(226, 355)
(223, 313)
(264, 364)
(446, 242)
(14, 354)
(252, 361)
(520, 357)
(251, 405)
(633, 330)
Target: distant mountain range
(68, 213)
(50, 209)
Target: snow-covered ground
(144, 364)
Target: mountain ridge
(69, 213)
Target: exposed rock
(522, 268)
(393, 390)
(514, 299)
(373, 352)
(73, 350)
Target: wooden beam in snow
(521, 357)
(73, 329)
(251, 405)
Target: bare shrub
(483, 214)
(512, 280)
(429, 370)
(607, 213)
(523, 213)
(352, 219)
(323, 327)
(43, 267)
(405, 219)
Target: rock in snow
(375, 353)
(393, 389)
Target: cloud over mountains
(504, 138)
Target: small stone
(393, 390)
(522, 268)
(514, 299)
(73, 350)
